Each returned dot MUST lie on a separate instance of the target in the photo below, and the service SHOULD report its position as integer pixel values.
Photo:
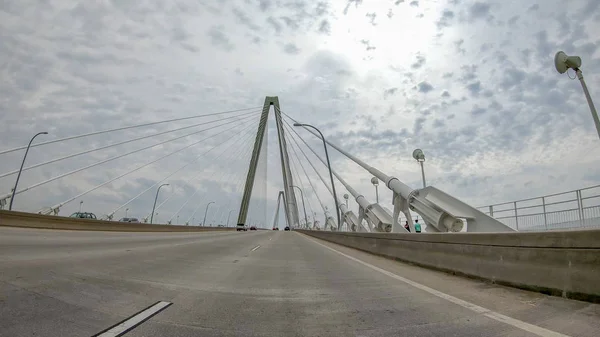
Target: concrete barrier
(565, 263)
(31, 220)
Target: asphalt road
(68, 283)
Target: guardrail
(31, 220)
(559, 263)
(572, 209)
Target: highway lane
(265, 283)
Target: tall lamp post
(206, 211)
(229, 216)
(375, 183)
(303, 208)
(155, 198)
(346, 196)
(420, 157)
(126, 211)
(80, 204)
(563, 62)
(14, 191)
(337, 211)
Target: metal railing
(573, 209)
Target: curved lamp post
(155, 198)
(14, 191)
(206, 211)
(337, 211)
(303, 208)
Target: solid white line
(473, 307)
(118, 330)
(255, 248)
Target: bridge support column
(288, 191)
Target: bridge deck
(70, 283)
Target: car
(83, 215)
(221, 226)
(275, 228)
(241, 227)
(287, 228)
(130, 220)
(253, 228)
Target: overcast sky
(471, 83)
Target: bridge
(164, 259)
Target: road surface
(264, 283)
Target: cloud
(419, 62)
(367, 45)
(425, 87)
(219, 39)
(389, 92)
(474, 88)
(291, 48)
(325, 27)
(414, 3)
(445, 19)
(479, 10)
(372, 17)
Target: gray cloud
(446, 19)
(275, 24)
(474, 88)
(425, 87)
(367, 45)
(479, 10)
(325, 27)
(414, 3)
(389, 92)
(372, 17)
(219, 39)
(419, 62)
(291, 48)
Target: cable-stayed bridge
(260, 167)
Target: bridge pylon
(288, 191)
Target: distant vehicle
(221, 226)
(253, 228)
(83, 215)
(130, 220)
(275, 228)
(287, 228)
(241, 227)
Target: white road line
(473, 307)
(135, 320)
(255, 248)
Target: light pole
(375, 183)
(346, 196)
(206, 211)
(155, 198)
(178, 219)
(420, 157)
(303, 208)
(563, 62)
(229, 216)
(337, 211)
(80, 203)
(12, 197)
(126, 211)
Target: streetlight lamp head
(346, 196)
(563, 62)
(43, 133)
(166, 184)
(297, 124)
(375, 181)
(418, 155)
